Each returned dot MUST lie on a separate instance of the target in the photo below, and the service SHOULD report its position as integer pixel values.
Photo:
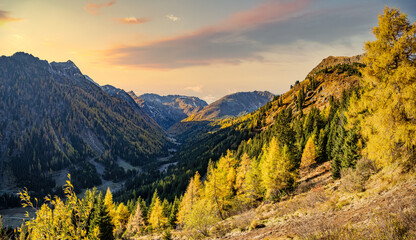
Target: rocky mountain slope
(52, 117)
(168, 110)
(332, 61)
(233, 105)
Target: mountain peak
(235, 104)
(170, 109)
(332, 61)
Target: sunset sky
(204, 48)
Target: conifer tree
(192, 194)
(386, 110)
(219, 186)
(157, 219)
(309, 154)
(174, 212)
(202, 217)
(108, 202)
(276, 169)
(350, 149)
(136, 223)
(242, 170)
(102, 219)
(122, 216)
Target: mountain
(168, 110)
(203, 141)
(52, 117)
(332, 61)
(233, 105)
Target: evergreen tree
(102, 219)
(350, 149)
(174, 212)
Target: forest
(248, 161)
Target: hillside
(124, 96)
(203, 141)
(233, 105)
(54, 118)
(168, 110)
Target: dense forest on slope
(52, 117)
(295, 113)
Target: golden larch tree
(386, 111)
(309, 154)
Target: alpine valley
(332, 158)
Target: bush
(354, 180)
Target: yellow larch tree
(309, 154)
(276, 168)
(191, 196)
(386, 111)
(157, 219)
(136, 222)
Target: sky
(203, 48)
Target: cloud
(94, 8)
(209, 98)
(197, 89)
(252, 34)
(172, 18)
(5, 17)
(224, 42)
(131, 20)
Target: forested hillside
(333, 158)
(52, 118)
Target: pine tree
(350, 149)
(174, 212)
(102, 219)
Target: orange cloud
(227, 42)
(131, 20)
(4, 17)
(94, 8)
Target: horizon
(206, 50)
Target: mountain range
(233, 105)
(52, 117)
(168, 110)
